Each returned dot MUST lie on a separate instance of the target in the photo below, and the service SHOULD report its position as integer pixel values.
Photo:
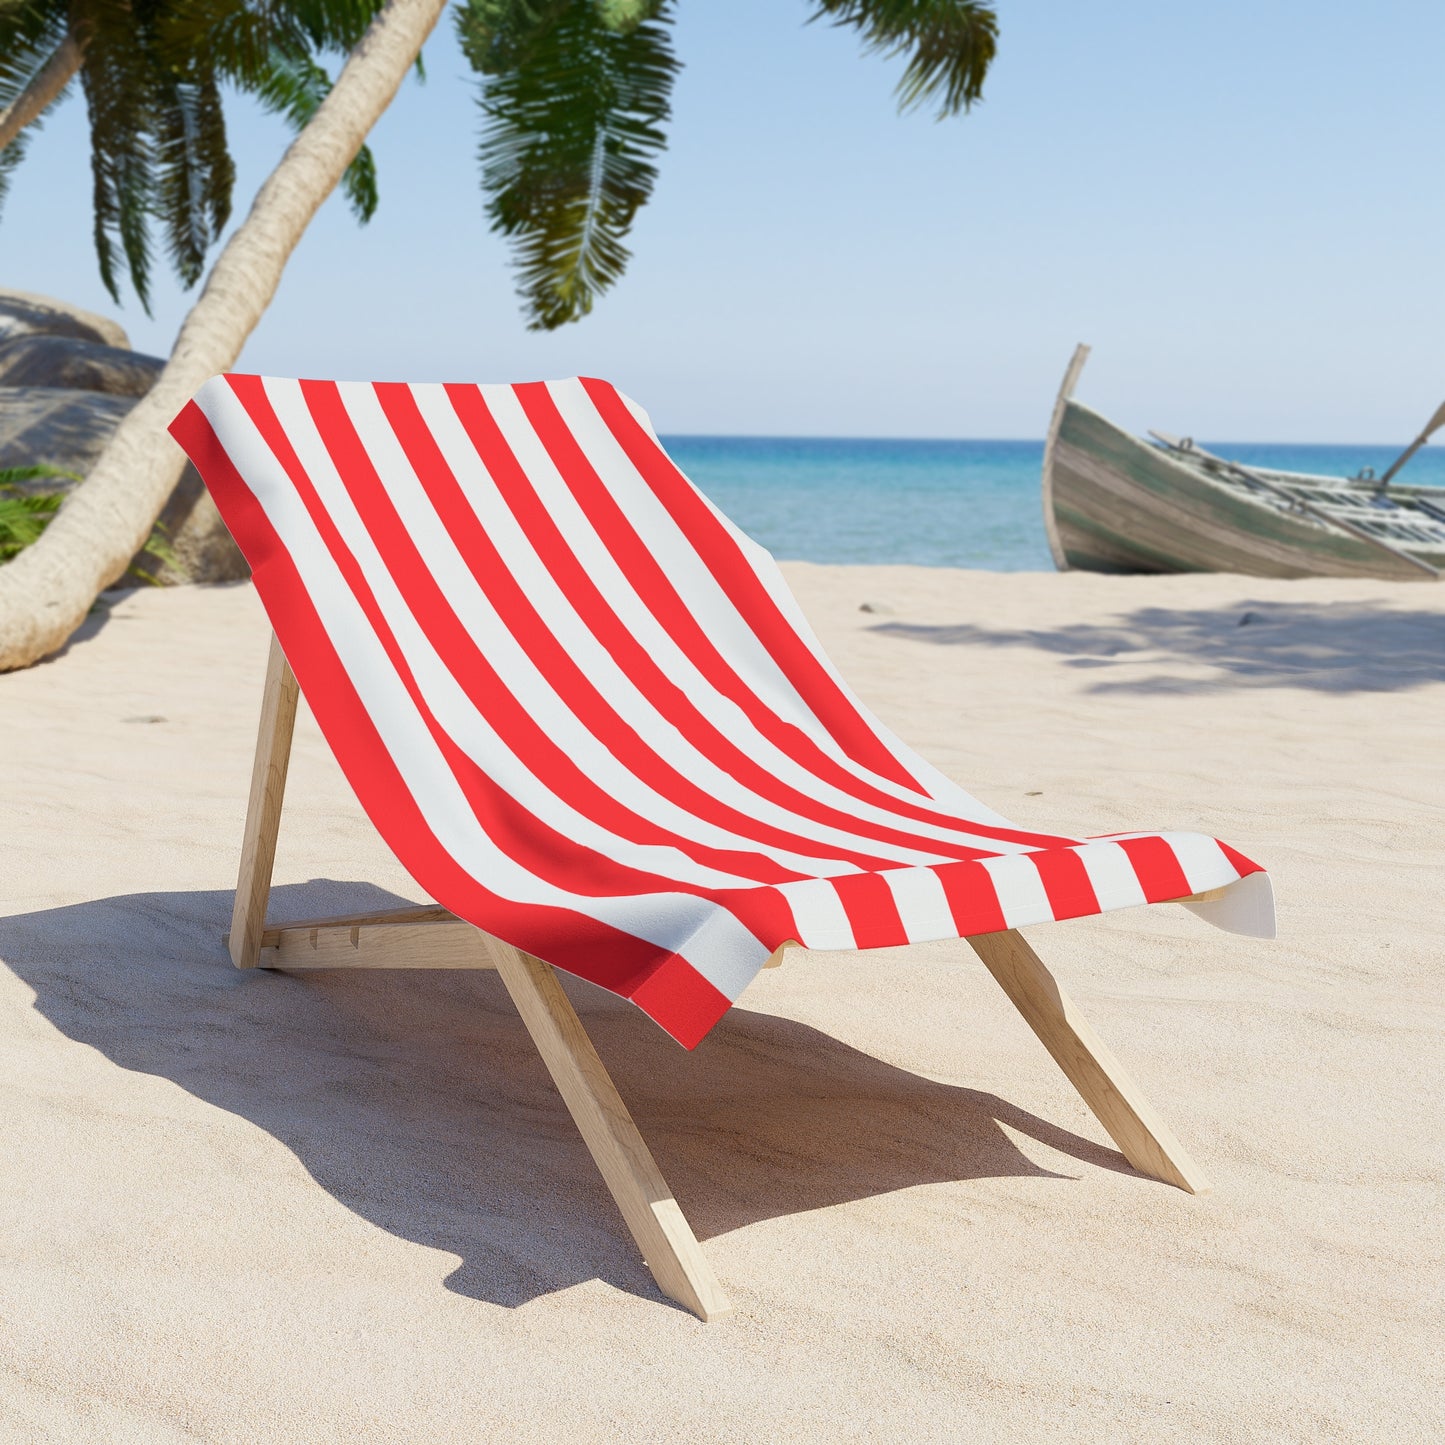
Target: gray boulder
(67, 361)
(22, 313)
(66, 428)
(201, 547)
(57, 426)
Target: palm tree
(152, 75)
(575, 93)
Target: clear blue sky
(1239, 204)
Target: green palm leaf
(949, 43)
(574, 96)
(293, 85)
(117, 76)
(194, 170)
(29, 35)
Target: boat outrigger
(1116, 503)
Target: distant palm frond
(29, 35)
(949, 43)
(574, 95)
(153, 73)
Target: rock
(199, 542)
(881, 608)
(67, 361)
(69, 429)
(24, 314)
(57, 426)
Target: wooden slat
(443, 942)
(408, 913)
(1142, 1136)
(263, 810)
(662, 1233)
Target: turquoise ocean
(934, 503)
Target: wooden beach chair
(587, 715)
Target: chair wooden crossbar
(429, 936)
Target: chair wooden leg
(263, 811)
(662, 1233)
(1142, 1136)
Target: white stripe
(1202, 859)
(1116, 885)
(1020, 889)
(922, 903)
(819, 913)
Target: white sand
(350, 1208)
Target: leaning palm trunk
(47, 590)
(44, 87)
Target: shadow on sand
(1322, 647)
(416, 1099)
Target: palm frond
(574, 95)
(950, 45)
(117, 78)
(294, 85)
(11, 157)
(29, 36)
(194, 170)
(23, 515)
(335, 25)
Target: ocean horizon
(935, 503)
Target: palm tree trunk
(45, 85)
(47, 590)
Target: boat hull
(1117, 504)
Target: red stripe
(681, 1000)
(972, 899)
(1157, 869)
(1241, 865)
(872, 910)
(1066, 881)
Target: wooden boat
(1116, 503)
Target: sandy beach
(341, 1207)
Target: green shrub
(25, 515)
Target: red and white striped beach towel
(587, 715)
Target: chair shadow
(1321, 647)
(416, 1099)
